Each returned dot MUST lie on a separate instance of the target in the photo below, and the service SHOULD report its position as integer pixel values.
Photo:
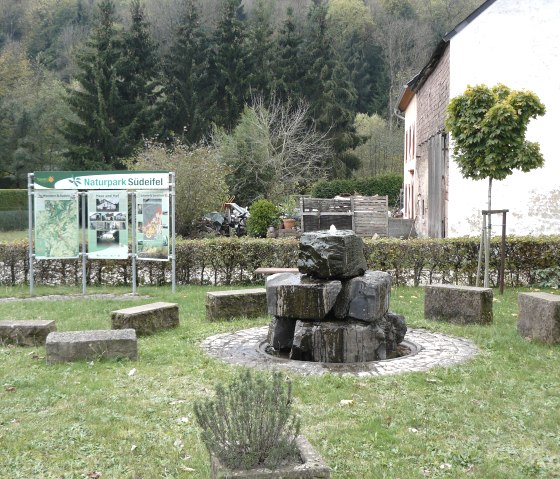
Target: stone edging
(63, 297)
(432, 350)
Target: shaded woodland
(87, 84)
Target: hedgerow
(383, 185)
(528, 261)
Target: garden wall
(529, 261)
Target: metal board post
(84, 253)
(173, 263)
(30, 228)
(133, 254)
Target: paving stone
(435, 350)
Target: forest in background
(90, 84)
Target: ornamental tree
(488, 126)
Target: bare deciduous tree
(274, 151)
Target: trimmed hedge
(382, 185)
(529, 261)
(13, 210)
(204, 261)
(13, 200)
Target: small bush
(250, 422)
(264, 213)
(200, 179)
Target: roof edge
(461, 25)
(420, 78)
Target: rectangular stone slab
(147, 318)
(91, 345)
(458, 304)
(239, 303)
(26, 332)
(539, 317)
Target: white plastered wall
(517, 43)
(410, 158)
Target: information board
(107, 224)
(152, 225)
(57, 230)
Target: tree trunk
(488, 235)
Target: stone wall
(433, 98)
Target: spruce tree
(94, 137)
(331, 94)
(185, 78)
(139, 85)
(289, 69)
(363, 60)
(259, 49)
(227, 66)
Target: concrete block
(147, 318)
(539, 317)
(26, 332)
(458, 304)
(91, 345)
(232, 304)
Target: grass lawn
(495, 416)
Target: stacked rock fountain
(334, 310)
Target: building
(513, 42)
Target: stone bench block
(91, 345)
(458, 304)
(239, 303)
(539, 316)
(147, 318)
(26, 332)
(298, 296)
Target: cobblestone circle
(428, 350)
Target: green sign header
(101, 180)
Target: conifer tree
(94, 137)
(330, 92)
(227, 66)
(259, 50)
(288, 67)
(139, 86)
(364, 63)
(185, 76)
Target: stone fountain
(334, 310)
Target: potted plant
(250, 431)
(263, 214)
(289, 211)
